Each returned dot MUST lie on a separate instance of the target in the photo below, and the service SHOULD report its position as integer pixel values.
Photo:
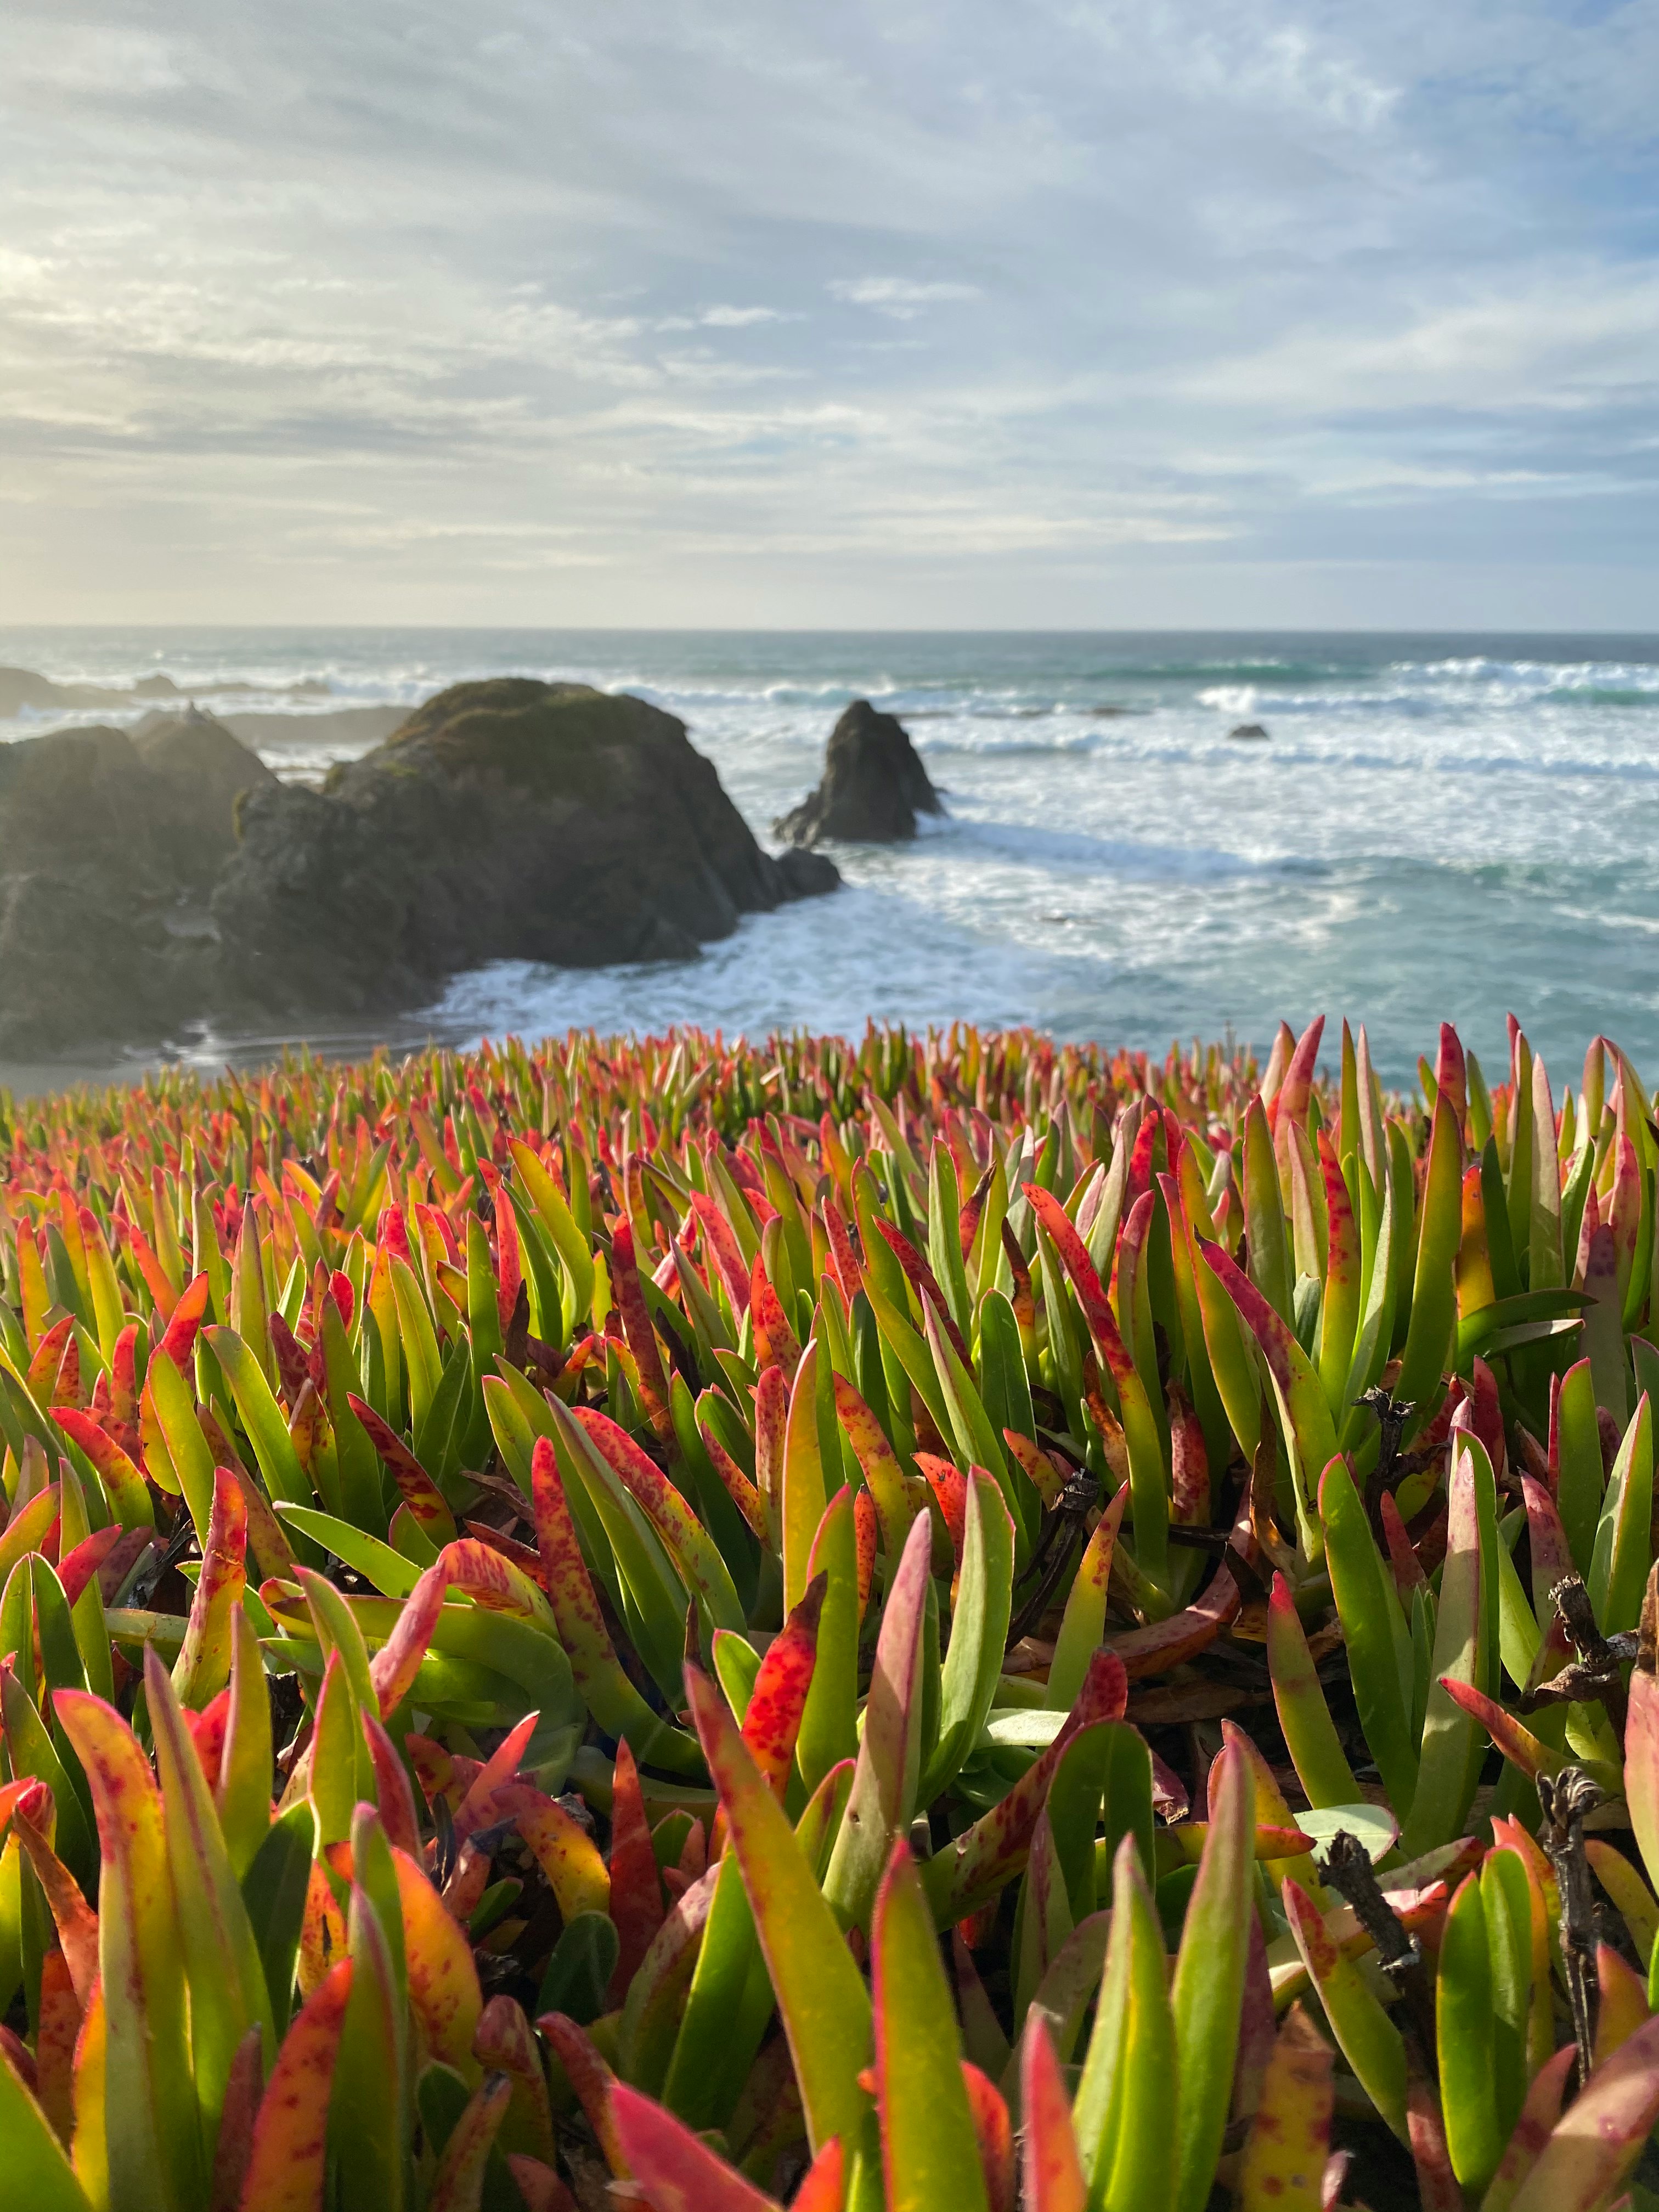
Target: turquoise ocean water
(1457, 826)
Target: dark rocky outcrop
(806, 875)
(147, 881)
(506, 820)
(1250, 732)
(203, 769)
(874, 785)
(101, 851)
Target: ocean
(1434, 827)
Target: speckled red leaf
(728, 1258)
(393, 1795)
(76, 1921)
(504, 2044)
(1084, 1279)
(742, 1493)
(593, 2083)
(694, 1554)
(970, 1870)
(420, 1493)
(58, 2025)
(498, 1770)
(1167, 1644)
(842, 1250)
(207, 1734)
(925, 1282)
(636, 1905)
(1189, 1464)
(771, 1435)
(179, 1338)
(775, 1344)
(443, 1980)
(561, 1846)
(509, 1265)
(1531, 2132)
(950, 1487)
(1045, 1476)
(287, 2164)
(1283, 2164)
(128, 1492)
(866, 1528)
(772, 1722)
(1552, 1556)
(45, 1375)
(203, 1663)
(75, 1571)
(882, 1471)
(393, 1667)
(636, 1327)
(491, 1580)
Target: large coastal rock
(874, 785)
(203, 769)
(153, 878)
(506, 820)
(106, 857)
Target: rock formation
(106, 853)
(506, 820)
(147, 881)
(203, 769)
(1251, 732)
(874, 785)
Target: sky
(749, 312)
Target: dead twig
(1567, 1799)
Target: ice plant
(872, 1624)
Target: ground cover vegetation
(929, 1622)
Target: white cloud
(740, 319)
(901, 297)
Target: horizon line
(783, 629)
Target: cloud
(740, 319)
(901, 297)
(1075, 313)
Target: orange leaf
(286, 2166)
(636, 1906)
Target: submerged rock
(874, 785)
(505, 820)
